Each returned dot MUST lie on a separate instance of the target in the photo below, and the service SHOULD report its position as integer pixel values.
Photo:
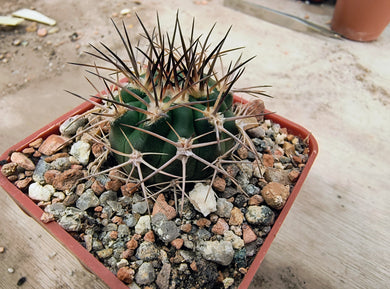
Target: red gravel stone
(125, 274)
(129, 189)
(177, 243)
(149, 237)
(50, 176)
(203, 222)
(219, 184)
(186, 228)
(22, 160)
(67, 179)
(275, 195)
(255, 200)
(220, 227)
(293, 176)
(132, 244)
(247, 234)
(268, 160)
(161, 206)
(36, 143)
(52, 144)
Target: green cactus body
(185, 122)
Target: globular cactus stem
(172, 117)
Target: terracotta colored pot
(361, 20)
(92, 263)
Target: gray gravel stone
(88, 199)
(166, 230)
(145, 274)
(224, 208)
(220, 252)
(40, 169)
(107, 196)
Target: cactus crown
(172, 117)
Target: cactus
(172, 117)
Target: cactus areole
(173, 118)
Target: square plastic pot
(92, 263)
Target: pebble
(52, 144)
(105, 253)
(143, 225)
(145, 274)
(224, 208)
(247, 234)
(220, 227)
(71, 223)
(260, 215)
(163, 276)
(11, 270)
(268, 160)
(22, 160)
(202, 197)
(293, 176)
(165, 229)
(221, 252)
(81, 151)
(227, 282)
(125, 274)
(219, 184)
(32, 27)
(38, 192)
(70, 126)
(42, 32)
(161, 206)
(237, 217)
(67, 179)
(9, 169)
(87, 200)
(277, 175)
(236, 241)
(40, 169)
(275, 195)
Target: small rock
(145, 274)
(242, 152)
(81, 151)
(47, 217)
(53, 30)
(122, 263)
(40, 169)
(247, 234)
(67, 179)
(49, 176)
(220, 227)
(132, 244)
(32, 27)
(275, 195)
(166, 230)
(289, 149)
(105, 253)
(260, 215)
(139, 208)
(22, 184)
(202, 197)
(256, 132)
(52, 144)
(23, 161)
(42, 32)
(221, 252)
(125, 274)
(108, 196)
(219, 184)
(236, 241)
(293, 176)
(227, 282)
(161, 206)
(203, 222)
(36, 143)
(268, 160)
(143, 225)
(71, 223)
(87, 200)
(40, 193)
(129, 189)
(70, 200)
(236, 217)
(163, 276)
(149, 237)
(255, 200)
(277, 175)
(70, 126)
(9, 169)
(177, 243)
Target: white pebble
(81, 150)
(40, 193)
(11, 270)
(198, 199)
